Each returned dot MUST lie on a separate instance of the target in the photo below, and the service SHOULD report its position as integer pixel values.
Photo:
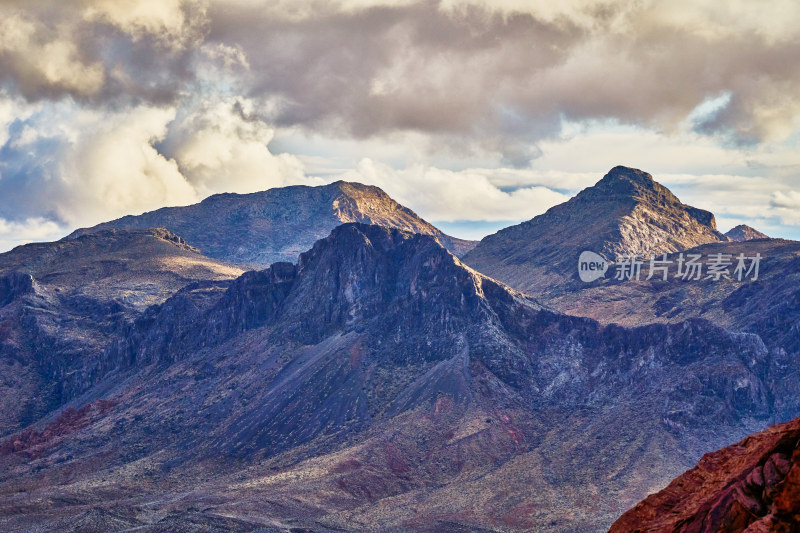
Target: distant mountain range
(258, 229)
(376, 382)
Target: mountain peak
(743, 232)
(258, 229)
(626, 212)
(627, 182)
(351, 186)
(357, 273)
(623, 174)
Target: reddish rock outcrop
(30, 442)
(753, 487)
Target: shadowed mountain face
(62, 302)
(743, 233)
(625, 212)
(258, 229)
(752, 486)
(380, 385)
(768, 306)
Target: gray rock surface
(625, 212)
(743, 232)
(258, 229)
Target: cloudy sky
(474, 113)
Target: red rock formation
(31, 441)
(753, 486)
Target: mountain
(743, 232)
(749, 304)
(625, 212)
(61, 303)
(752, 486)
(379, 384)
(255, 230)
(541, 258)
(768, 306)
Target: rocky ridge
(627, 211)
(62, 303)
(255, 230)
(743, 232)
(768, 306)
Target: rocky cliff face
(62, 303)
(625, 212)
(752, 486)
(743, 232)
(379, 384)
(255, 230)
(768, 306)
(15, 285)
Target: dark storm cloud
(386, 68)
(95, 53)
(463, 70)
(22, 198)
(479, 72)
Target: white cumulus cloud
(220, 146)
(14, 234)
(445, 195)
